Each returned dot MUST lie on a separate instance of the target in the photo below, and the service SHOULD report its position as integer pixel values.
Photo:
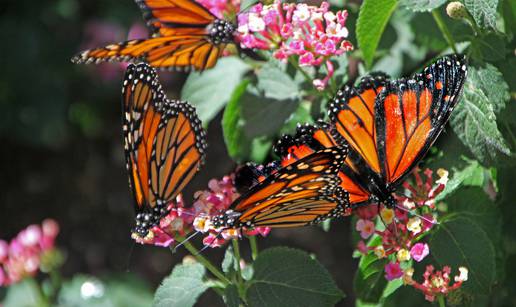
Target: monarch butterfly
(389, 125)
(184, 35)
(303, 193)
(164, 145)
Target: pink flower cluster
(23, 256)
(221, 8)
(182, 221)
(309, 33)
(400, 236)
(436, 282)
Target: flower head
(365, 227)
(439, 282)
(419, 251)
(393, 271)
(23, 255)
(309, 34)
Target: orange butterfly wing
(163, 140)
(302, 193)
(181, 38)
(412, 113)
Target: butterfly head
(221, 31)
(145, 221)
(227, 220)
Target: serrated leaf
(461, 242)
(275, 83)
(422, 5)
(289, 277)
(369, 282)
(372, 19)
(473, 173)
(232, 123)
(483, 11)
(474, 118)
(182, 287)
(210, 90)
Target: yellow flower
(387, 215)
(414, 225)
(403, 255)
(443, 176)
(379, 251)
(407, 276)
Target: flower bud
(456, 10)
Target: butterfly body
(164, 145)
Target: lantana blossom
(436, 282)
(309, 33)
(182, 220)
(25, 255)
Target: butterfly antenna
(211, 242)
(184, 241)
(433, 222)
(128, 264)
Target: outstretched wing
(302, 193)
(164, 140)
(180, 38)
(412, 113)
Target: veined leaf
(483, 11)
(422, 5)
(182, 287)
(372, 19)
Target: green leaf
(483, 11)
(422, 5)
(490, 47)
(265, 116)
(473, 203)
(461, 242)
(473, 174)
(289, 277)
(23, 294)
(231, 296)
(182, 287)
(232, 123)
(372, 19)
(229, 263)
(210, 90)
(275, 83)
(370, 282)
(474, 119)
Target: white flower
(302, 13)
(463, 274)
(414, 225)
(256, 23)
(336, 30)
(202, 224)
(443, 176)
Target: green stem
(294, 63)
(254, 247)
(236, 250)
(56, 281)
(440, 299)
(444, 29)
(205, 262)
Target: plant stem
(236, 250)
(444, 29)
(254, 247)
(440, 299)
(293, 62)
(55, 280)
(207, 264)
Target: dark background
(61, 146)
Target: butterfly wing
(412, 113)
(164, 143)
(302, 193)
(181, 38)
